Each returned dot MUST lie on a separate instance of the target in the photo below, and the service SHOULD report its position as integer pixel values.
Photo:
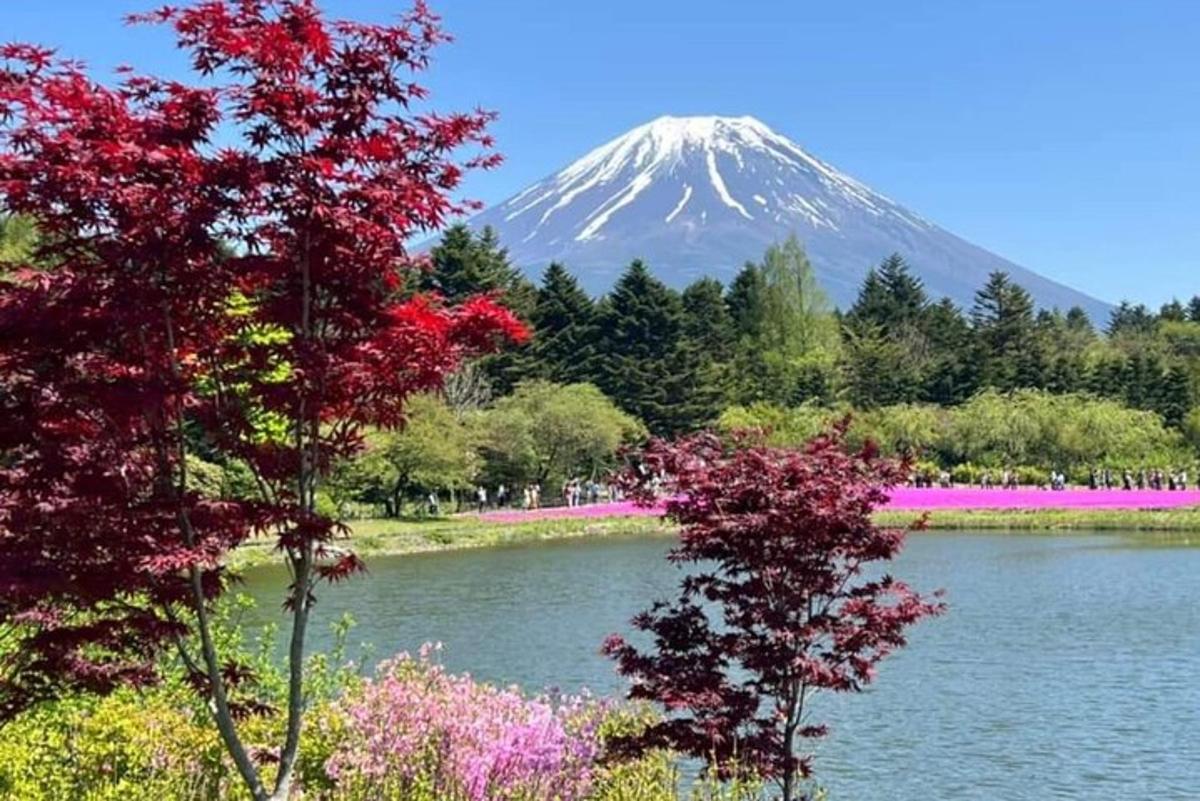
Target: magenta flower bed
(918, 499)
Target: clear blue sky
(1062, 134)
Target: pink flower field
(917, 500)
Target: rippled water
(1067, 667)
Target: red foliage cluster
(782, 601)
(187, 295)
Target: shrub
(416, 732)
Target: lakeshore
(1159, 517)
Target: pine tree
(887, 354)
(708, 330)
(1176, 396)
(1128, 320)
(1004, 327)
(564, 321)
(1194, 309)
(905, 292)
(872, 306)
(953, 373)
(466, 264)
(707, 321)
(1173, 311)
(745, 301)
(1078, 322)
(646, 366)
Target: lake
(1067, 666)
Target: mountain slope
(697, 196)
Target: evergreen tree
(708, 330)
(1078, 322)
(879, 370)
(1128, 320)
(564, 321)
(1173, 311)
(1004, 328)
(886, 353)
(466, 264)
(707, 321)
(745, 302)
(1194, 309)
(647, 368)
(953, 373)
(905, 292)
(873, 305)
(1176, 396)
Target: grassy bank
(1180, 523)
(377, 537)
(381, 536)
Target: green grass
(376, 537)
(382, 536)
(1184, 521)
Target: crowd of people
(1098, 478)
(575, 492)
(1171, 480)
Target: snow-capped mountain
(695, 196)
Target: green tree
(783, 426)
(745, 302)
(18, 240)
(548, 432)
(433, 452)
(1004, 329)
(789, 343)
(797, 319)
(1129, 320)
(1194, 309)
(565, 332)
(887, 354)
(879, 369)
(646, 365)
(466, 264)
(952, 374)
(708, 331)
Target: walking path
(907, 498)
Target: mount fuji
(695, 196)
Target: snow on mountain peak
(722, 165)
(698, 195)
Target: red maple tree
(247, 300)
(782, 602)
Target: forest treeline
(676, 360)
(1000, 384)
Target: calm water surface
(1067, 667)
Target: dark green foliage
(745, 301)
(565, 328)
(1129, 320)
(646, 365)
(953, 373)
(886, 335)
(1176, 396)
(1173, 311)
(676, 360)
(1194, 309)
(1004, 331)
(466, 264)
